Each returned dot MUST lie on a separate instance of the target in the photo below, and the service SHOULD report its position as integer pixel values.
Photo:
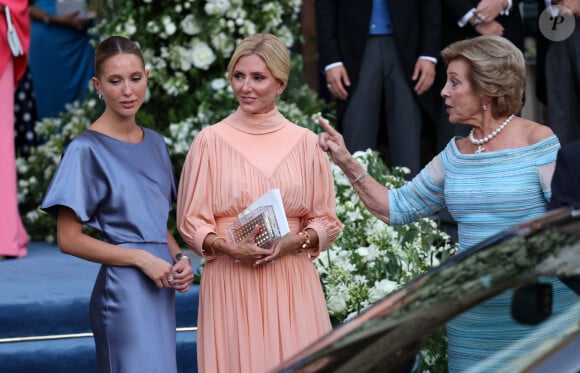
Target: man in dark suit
(379, 59)
(566, 179)
(463, 19)
(558, 73)
(566, 190)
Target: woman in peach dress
(257, 306)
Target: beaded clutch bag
(263, 216)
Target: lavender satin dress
(125, 191)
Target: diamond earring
(483, 107)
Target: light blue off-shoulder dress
(125, 191)
(486, 193)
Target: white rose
(189, 26)
(170, 27)
(202, 55)
(336, 304)
(218, 84)
(381, 289)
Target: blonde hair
(271, 49)
(498, 70)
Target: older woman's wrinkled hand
(332, 142)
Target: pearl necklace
(480, 142)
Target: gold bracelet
(217, 237)
(359, 178)
(306, 243)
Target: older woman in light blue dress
(493, 179)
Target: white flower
(152, 27)
(219, 84)
(168, 25)
(223, 43)
(216, 7)
(129, 28)
(363, 252)
(248, 28)
(336, 304)
(189, 25)
(381, 289)
(202, 55)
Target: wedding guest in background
(13, 60)
(464, 19)
(566, 180)
(558, 73)
(379, 59)
(25, 116)
(116, 178)
(258, 306)
(61, 57)
(493, 179)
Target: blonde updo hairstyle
(498, 70)
(271, 49)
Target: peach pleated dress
(253, 318)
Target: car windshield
(388, 336)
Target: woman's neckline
(257, 124)
(118, 139)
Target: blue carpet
(47, 293)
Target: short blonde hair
(498, 70)
(271, 49)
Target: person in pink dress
(13, 60)
(258, 306)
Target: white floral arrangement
(186, 39)
(371, 259)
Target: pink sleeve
(195, 217)
(322, 217)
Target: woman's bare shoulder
(537, 131)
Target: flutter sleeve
(195, 215)
(78, 183)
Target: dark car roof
(388, 335)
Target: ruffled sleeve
(78, 184)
